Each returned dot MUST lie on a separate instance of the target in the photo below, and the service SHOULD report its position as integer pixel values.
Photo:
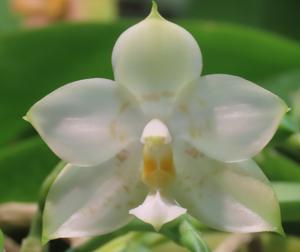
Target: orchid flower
(158, 142)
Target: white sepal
(94, 200)
(153, 58)
(234, 197)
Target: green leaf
(288, 124)
(100, 241)
(289, 197)
(296, 105)
(278, 167)
(133, 242)
(23, 167)
(239, 50)
(34, 63)
(190, 238)
(44, 60)
(291, 146)
(284, 84)
(1, 241)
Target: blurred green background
(47, 43)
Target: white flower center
(158, 165)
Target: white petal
(235, 197)
(153, 58)
(227, 117)
(94, 200)
(158, 209)
(88, 121)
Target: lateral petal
(87, 122)
(226, 117)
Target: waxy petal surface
(158, 209)
(94, 200)
(234, 197)
(88, 121)
(226, 117)
(152, 59)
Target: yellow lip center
(158, 166)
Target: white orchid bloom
(158, 141)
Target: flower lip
(156, 129)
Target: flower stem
(32, 243)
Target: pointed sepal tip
(154, 11)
